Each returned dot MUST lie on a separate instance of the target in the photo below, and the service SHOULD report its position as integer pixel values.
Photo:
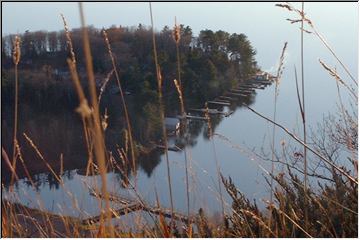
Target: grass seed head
(68, 39)
(176, 33)
(16, 50)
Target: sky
(21, 16)
(263, 23)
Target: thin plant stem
(334, 54)
(273, 156)
(15, 121)
(177, 36)
(333, 73)
(303, 114)
(183, 113)
(6, 159)
(16, 60)
(218, 170)
(84, 109)
(162, 117)
(273, 143)
(123, 102)
(179, 89)
(294, 222)
(347, 132)
(339, 169)
(98, 135)
(276, 93)
(290, 8)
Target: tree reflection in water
(59, 132)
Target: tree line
(211, 63)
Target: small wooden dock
(241, 88)
(195, 117)
(227, 98)
(255, 86)
(229, 113)
(238, 94)
(203, 110)
(241, 91)
(173, 148)
(191, 117)
(219, 103)
(218, 99)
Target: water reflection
(59, 136)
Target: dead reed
(218, 170)
(178, 85)
(99, 144)
(276, 93)
(95, 125)
(103, 85)
(334, 74)
(132, 145)
(310, 23)
(183, 113)
(83, 109)
(303, 109)
(16, 60)
(162, 117)
(177, 37)
(297, 139)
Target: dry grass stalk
(259, 220)
(50, 227)
(61, 164)
(83, 109)
(280, 67)
(303, 111)
(348, 129)
(207, 116)
(68, 39)
(16, 51)
(104, 120)
(132, 145)
(183, 113)
(176, 32)
(334, 74)
(24, 166)
(276, 93)
(337, 168)
(292, 220)
(162, 117)
(5, 157)
(16, 60)
(103, 85)
(290, 8)
(211, 136)
(181, 99)
(298, 94)
(177, 36)
(99, 145)
(126, 135)
(37, 151)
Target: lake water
(247, 132)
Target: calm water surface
(247, 132)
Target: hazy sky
(263, 23)
(18, 17)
